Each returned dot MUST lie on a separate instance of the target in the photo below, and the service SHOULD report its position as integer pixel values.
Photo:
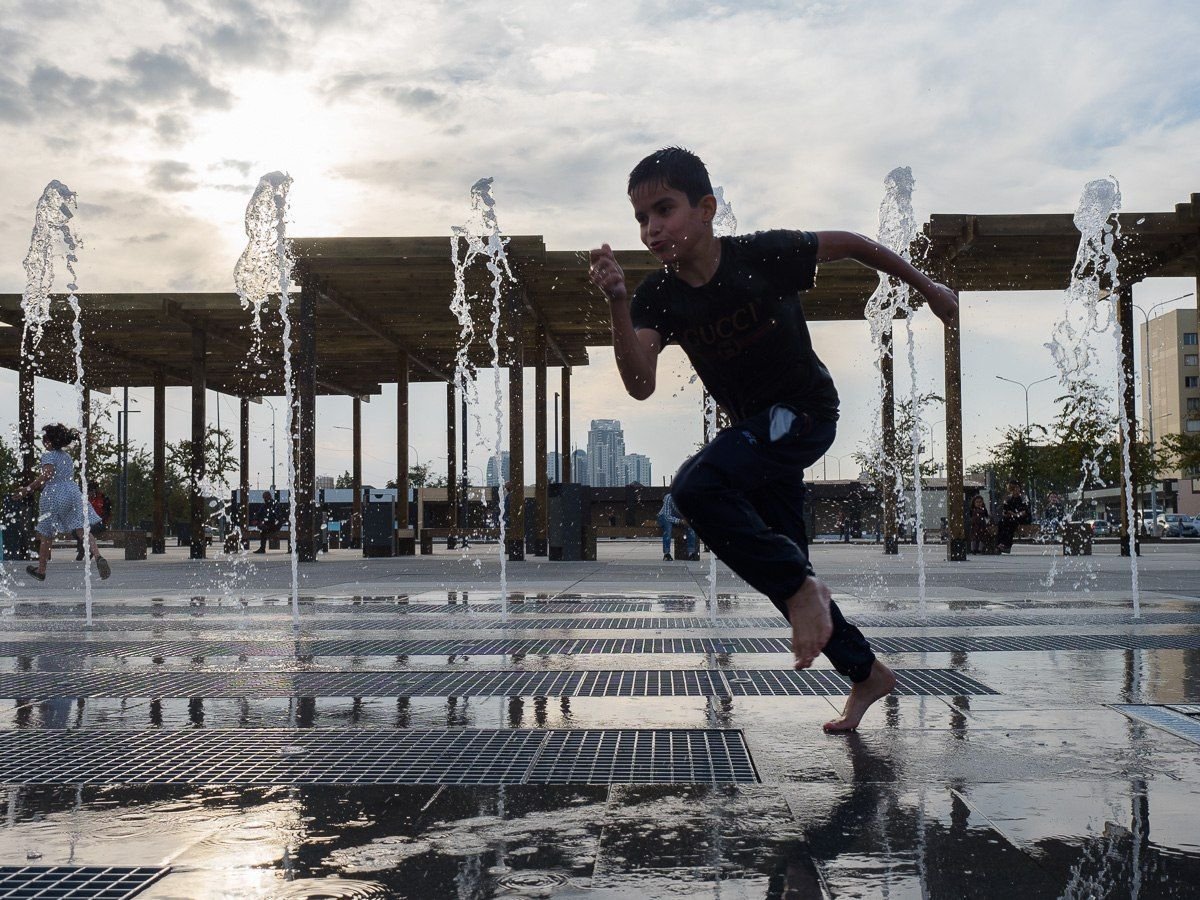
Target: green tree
(1181, 451)
(345, 480)
(419, 476)
(877, 470)
(10, 468)
(103, 451)
(219, 462)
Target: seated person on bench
(668, 518)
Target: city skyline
(171, 126)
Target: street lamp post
(272, 405)
(1150, 402)
(123, 441)
(1025, 388)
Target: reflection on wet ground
(1040, 790)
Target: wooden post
(356, 477)
(86, 415)
(199, 540)
(402, 439)
(243, 511)
(565, 448)
(306, 382)
(28, 449)
(515, 532)
(891, 536)
(451, 466)
(956, 541)
(1129, 529)
(158, 539)
(541, 483)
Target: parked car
(1100, 527)
(1176, 525)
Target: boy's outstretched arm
(835, 245)
(636, 349)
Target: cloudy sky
(162, 115)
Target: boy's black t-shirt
(744, 330)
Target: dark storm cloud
(172, 175)
(148, 78)
(12, 42)
(166, 75)
(171, 128)
(13, 105)
(49, 9)
(414, 97)
(242, 166)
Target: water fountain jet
(265, 267)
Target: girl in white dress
(61, 506)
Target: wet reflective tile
(679, 841)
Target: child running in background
(61, 505)
(733, 305)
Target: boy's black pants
(743, 493)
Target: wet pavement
(410, 740)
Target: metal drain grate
(1031, 617)
(335, 647)
(349, 618)
(1168, 718)
(1188, 709)
(81, 882)
(504, 683)
(640, 757)
(375, 756)
(1011, 643)
(473, 623)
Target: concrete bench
(678, 534)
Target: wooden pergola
(376, 310)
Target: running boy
(733, 304)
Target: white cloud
(558, 63)
(386, 113)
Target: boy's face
(671, 228)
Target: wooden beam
(356, 477)
(243, 514)
(199, 426)
(891, 536)
(306, 385)
(956, 544)
(372, 325)
(540, 458)
(452, 465)
(565, 460)
(535, 309)
(515, 532)
(403, 361)
(158, 538)
(1129, 527)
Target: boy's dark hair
(59, 436)
(676, 168)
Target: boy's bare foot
(880, 683)
(808, 613)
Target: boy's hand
(607, 275)
(943, 301)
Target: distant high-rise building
(1171, 386)
(324, 481)
(580, 472)
(554, 467)
(637, 469)
(498, 471)
(606, 453)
